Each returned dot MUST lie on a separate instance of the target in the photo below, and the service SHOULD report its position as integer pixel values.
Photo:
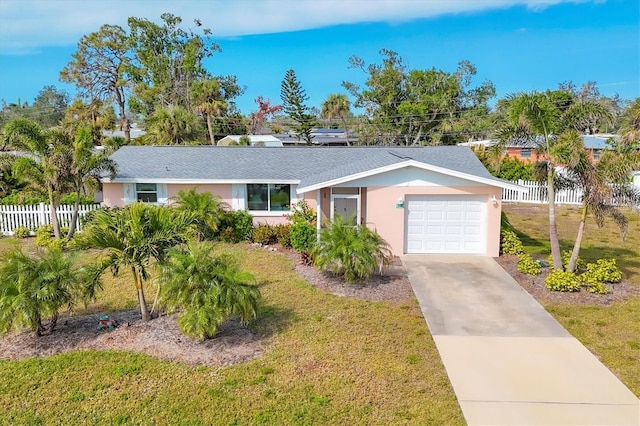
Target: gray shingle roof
(309, 165)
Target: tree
(33, 287)
(208, 210)
(207, 289)
(173, 126)
(601, 197)
(207, 98)
(630, 125)
(99, 69)
(419, 107)
(49, 106)
(293, 101)
(337, 106)
(166, 62)
(134, 236)
(535, 117)
(86, 169)
(259, 118)
(48, 165)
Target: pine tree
(293, 98)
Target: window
(525, 153)
(596, 154)
(147, 192)
(269, 197)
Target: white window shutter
(129, 193)
(293, 196)
(163, 193)
(238, 196)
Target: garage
(445, 224)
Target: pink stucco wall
(388, 220)
(223, 191)
(113, 194)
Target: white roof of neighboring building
(264, 140)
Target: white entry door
(346, 207)
(445, 224)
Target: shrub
(44, 234)
(22, 232)
(596, 274)
(510, 243)
(303, 236)
(559, 280)
(283, 235)
(235, 226)
(264, 234)
(355, 252)
(527, 265)
(302, 213)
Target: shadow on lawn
(273, 320)
(626, 259)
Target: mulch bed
(536, 287)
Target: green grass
(611, 332)
(328, 360)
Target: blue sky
(519, 45)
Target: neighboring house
(594, 144)
(256, 140)
(324, 137)
(420, 200)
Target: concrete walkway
(509, 361)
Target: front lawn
(328, 360)
(611, 332)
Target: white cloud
(33, 24)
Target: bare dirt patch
(536, 287)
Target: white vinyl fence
(537, 194)
(12, 217)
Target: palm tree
(207, 289)
(207, 209)
(630, 128)
(600, 197)
(134, 236)
(86, 169)
(354, 252)
(535, 117)
(208, 100)
(337, 105)
(33, 287)
(48, 166)
(172, 126)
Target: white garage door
(445, 224)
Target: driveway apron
(509, 361)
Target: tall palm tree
(33, 287)
(134, 236)
(535, 117)
(48, 164)
(337, 105)
(630, 126)
(207, 289)
(208, 100)
(86, 169)
(208, 210)
(601, 197)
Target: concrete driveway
(509, 361)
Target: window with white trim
(272, 197)
(147, 192)
(525, 153)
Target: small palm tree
(208, 99)
(134, 236)
(38, 286)
(337, 105)
(207, 209)
(207, 289)
(172, 126)
(353, 251)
